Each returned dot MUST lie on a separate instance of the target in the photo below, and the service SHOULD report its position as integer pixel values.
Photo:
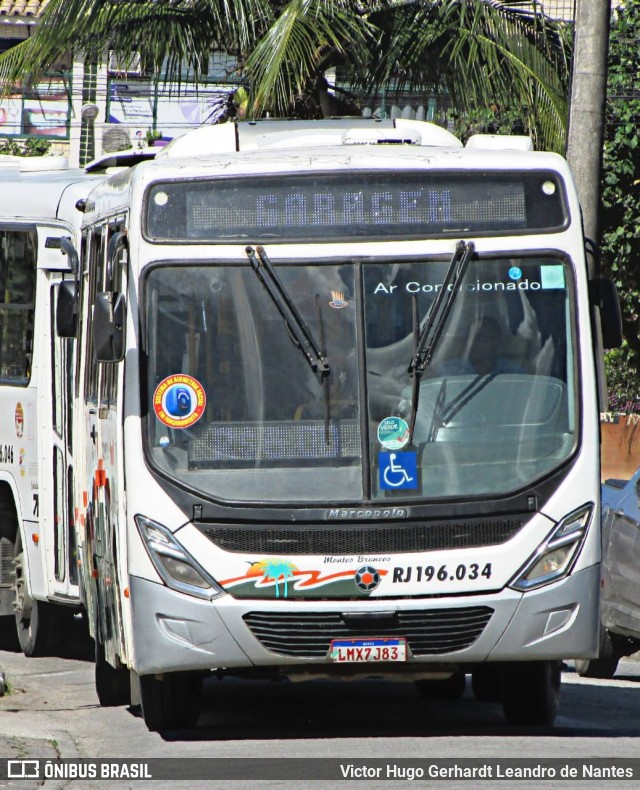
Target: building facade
(84, 109)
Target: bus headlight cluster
(554, 558)
(177, 568)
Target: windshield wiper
(426, 339)
(324, 379)
(300, 333)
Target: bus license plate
(367, 650)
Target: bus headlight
(554, 558)
(177, 568)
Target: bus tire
(450, 688)
(531, 692)
(113, 685)
(35, 620)
(170, 701)
(605, 665)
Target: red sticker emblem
(179, 401)
(19, 418)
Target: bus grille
(309, 634)
(389, 538)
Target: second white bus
(38, 565)
(39, 234)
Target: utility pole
(587, 107)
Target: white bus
(39, 225)
(38, 567)
(337, 416)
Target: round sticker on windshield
(179, 401)
(515, 272)
(393, 433)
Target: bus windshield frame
(254, 427)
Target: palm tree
(477, 51)
(480, 52)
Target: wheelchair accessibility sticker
(398, 470)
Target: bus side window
(81, 285)
(17, 301)
(109, 378)
(94, 276)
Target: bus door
(60, 476)
(55, 498)
(88, 443)
(101, 424)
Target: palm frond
(305, 38)
(481, 52)
(180, 34)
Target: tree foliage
(621, 195)
(476, 51)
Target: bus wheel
(605, 665)
(531, 692)
(34, 619)
(448, 689)
(113, 685)
(170, 701)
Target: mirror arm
(66, 245)
(117, 242)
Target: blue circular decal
(515, 273)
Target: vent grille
(7, 573)
(387, 538)
(309, 634)
(244, 444)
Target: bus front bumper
(177, 632)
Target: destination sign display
(337, 206)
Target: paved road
(52, 712)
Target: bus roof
(45, 187)
(343, 157)
(44, 194)
(295, 133)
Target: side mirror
(67, 309)
(108, 326)
(603, 294)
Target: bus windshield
(235, 412)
